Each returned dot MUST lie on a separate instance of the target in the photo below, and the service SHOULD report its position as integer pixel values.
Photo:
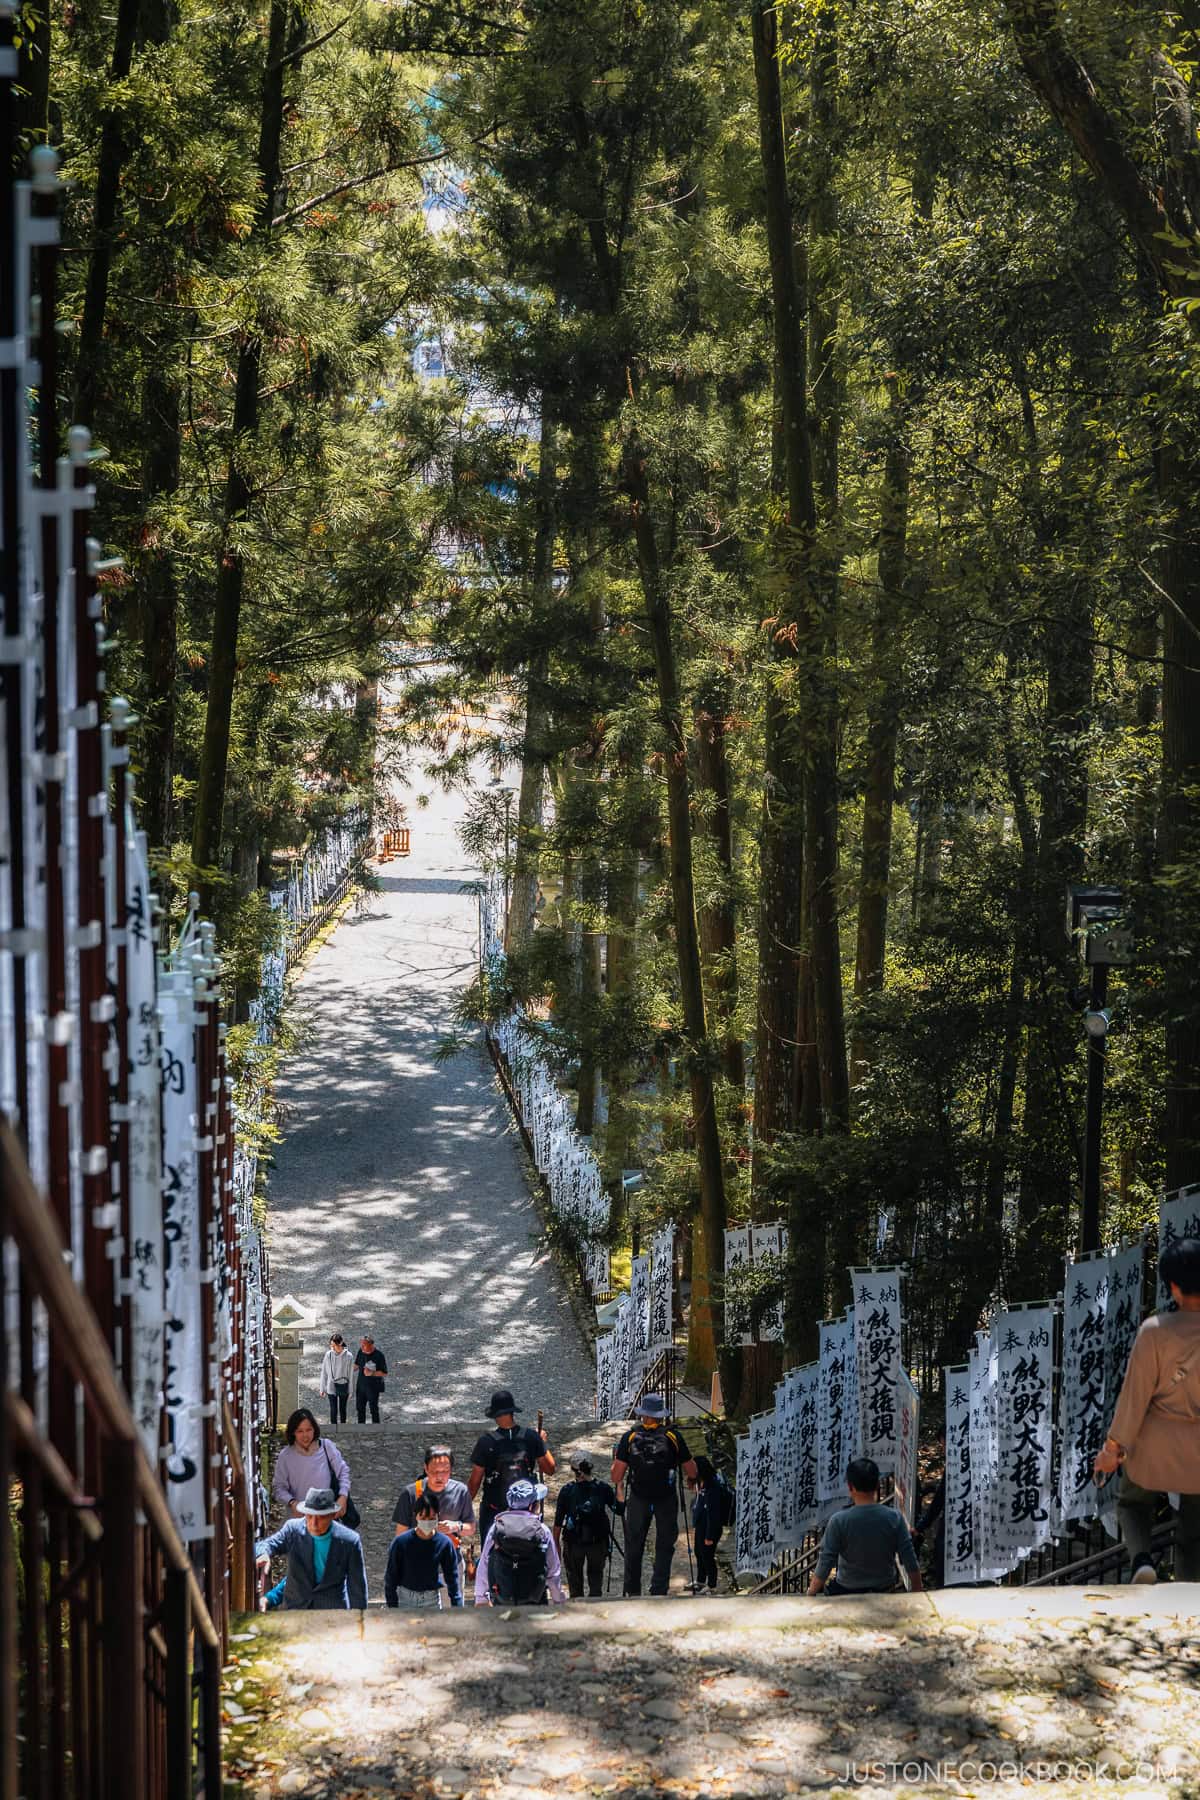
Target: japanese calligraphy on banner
(908, 1413)
(737, 1310)
(982, 1376)
(769, 1241)
(639, 1305)
(598, 1269)
(1024, 1350)
(1101, 1310)
(606, 1396)
(622, 1334)
(877, 1352)
(743, 1538)
(662, 1290)
(1178, 1217)
(144, 1172)
(797, 1510)
(758, 1495)
(962, 1561)
(185, 1348)
(837, 1409)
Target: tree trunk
(1181, 780)
(705, 1324)
(717, 920)
(534, 751)
(883, 722)
(284, 26)
(114, 150)
(781, 855)
(158, 603)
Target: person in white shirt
(337, 1370)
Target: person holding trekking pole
(508, 1453)
(582, 1530)
(648, 1456)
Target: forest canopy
(791, 412)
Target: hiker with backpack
(649, 1456)
(582, 1529)
(455, 1513)
(712, 1511)
(421, 1560)
(519, 1563)
(508, 1453)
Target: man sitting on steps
(864, 1540)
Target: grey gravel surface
(901, 1695)
(398, 1200)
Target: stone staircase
(384, 1458)
(1030, 1690)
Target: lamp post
(1094, 920)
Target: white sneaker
(1144, 1572)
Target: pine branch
(303, 50)
(358, 181)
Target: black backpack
(588, 1518)
(652, 1460)
(728, 1500)
(510, 1462)
(516, 1568)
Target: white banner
(1024, 1344)
(145, 1174)
(877, 1352)
(639, 1307)
(769, 1241)
(1178, 1217)
(758, 1496)
(982, 1375)
(662, 1290)
(909, 1413)
(962, 1562)
(598, 1269)
(737, 1312)
(606, 1397)
(185, 1350)
(837, 1411)
(787, 1444)
(805, 1400)
(743, 1524)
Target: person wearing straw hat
(325, 1567)
(650, 1455)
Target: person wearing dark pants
(508, 1452)
(649, 1456)
(582, 1530)
(708, 1522)
(337, 1367)
(371, 1364)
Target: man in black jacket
(648, 1456)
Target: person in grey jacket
(325, 1567)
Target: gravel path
(398, 1200)
(1056, 1694)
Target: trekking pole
(687, 1526)
(537, 1472)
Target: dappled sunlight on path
(398, 1201)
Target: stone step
(724, 1698)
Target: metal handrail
(110, 1672)
(30, 1224)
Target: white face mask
(426, 1527)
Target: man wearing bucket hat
(649, 1456)
(325, 1567)
(508, 1453)
(519, 1562)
